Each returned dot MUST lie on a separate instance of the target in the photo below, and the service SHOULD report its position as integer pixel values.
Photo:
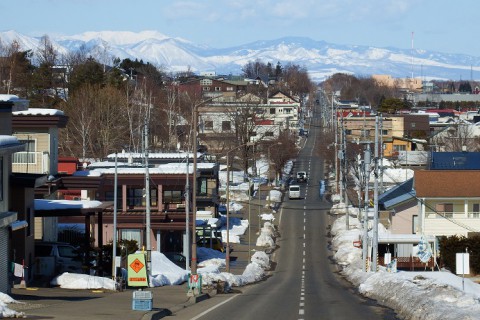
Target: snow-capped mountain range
(320, 58)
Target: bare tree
(96, 125)
(456, 138)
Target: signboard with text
(137, 270)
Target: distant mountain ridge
(320, 58)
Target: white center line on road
(301, 311)
(302, 304)
(302, 298)
(213, 308)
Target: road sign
(137, 271)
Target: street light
(227, 257)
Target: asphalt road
(305, 283)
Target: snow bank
(413, 295)
(6, 312)
(265, 239)
(83, 281)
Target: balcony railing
(25, 157)
(453, 215)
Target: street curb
(155, 315)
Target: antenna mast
(412, 55)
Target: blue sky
(438, 25)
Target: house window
(132, 234)
(206, 88)
(384, 132)
(399, 147)
(208, 125)
(476, 210)
(110, 196)
(444, 209)
(272, 110)
(348, 131)
(202, 186)
(226, 126)
(229, 88)
(135, 197)
(218, 89)
(413, 124)
(269, 134)
(287, 110)
(27, 156)
(366, 133)
(172, 196)
(206, 82)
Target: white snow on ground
(5, 312)
(265, 239)
(267, 217)
(275, 196)
(237, 228)
(413, 295)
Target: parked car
(213, 243)
(177, 258)
(65, 256)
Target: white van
(63, 257)
(294, 191)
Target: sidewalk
(58, 303)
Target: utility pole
(375, 205)
(147, 195)
(186, 249)
(344, 175)
(115, 209)
(335, 131)
(381, 155)
(366, 168)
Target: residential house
(398, 212)
(10, 226)
(449, 201)
(167, 200)
(284, 110)
(220, 90)
(38, 129)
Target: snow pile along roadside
(413, 295)
(6, 312)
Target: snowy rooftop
(39, 112)
(41, 204)
(154, 155)
(169, 168)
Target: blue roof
(397, 195)
(455, 161)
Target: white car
(294, 191)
